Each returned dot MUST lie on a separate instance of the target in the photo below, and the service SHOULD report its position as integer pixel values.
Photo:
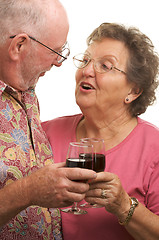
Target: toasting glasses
(79, 155)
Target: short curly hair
(142, 66)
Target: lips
(86, 86)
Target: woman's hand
(108, 191)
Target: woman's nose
(89, 70)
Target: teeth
(86, 86)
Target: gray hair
(21, 16)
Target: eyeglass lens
(64, 52)
(101, 65)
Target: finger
(78, 187)
(99, 185)
(98, 193)
(97, 196)
(98, 201)
(94, 193)
(73, 196)
(76, 197)
(104, 177)
(80, 174)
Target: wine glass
(79, 155)
(98, 159)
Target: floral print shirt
(23, 149)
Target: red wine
(78, 162)
(98, 162)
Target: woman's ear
(18, 45)
(133, 94)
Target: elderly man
(33, 39)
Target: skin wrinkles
(104, 97)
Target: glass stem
(74, 207)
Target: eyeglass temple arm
(34, 39)
(119, 70)
(77, 59)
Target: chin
(83, 104)
(85, 100)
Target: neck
(112, 130)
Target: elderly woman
(115, 83)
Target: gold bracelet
(134, 203)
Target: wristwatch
(134, 203)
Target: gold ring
(104, 194)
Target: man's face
(37, 59)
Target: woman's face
(107, 90)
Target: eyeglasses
(101, 65)
(62, 54)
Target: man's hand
(52, 186)
(56, 186)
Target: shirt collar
(4, 86)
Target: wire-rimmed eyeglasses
(62, 55)
(101, 65)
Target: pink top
(135, 160)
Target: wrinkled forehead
(110, 47)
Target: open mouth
(86, 86)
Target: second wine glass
(98, 159)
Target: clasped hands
(55, 186)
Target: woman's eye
(104, 66)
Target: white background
(55, 90)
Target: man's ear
(133, 94)
(18, 45)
